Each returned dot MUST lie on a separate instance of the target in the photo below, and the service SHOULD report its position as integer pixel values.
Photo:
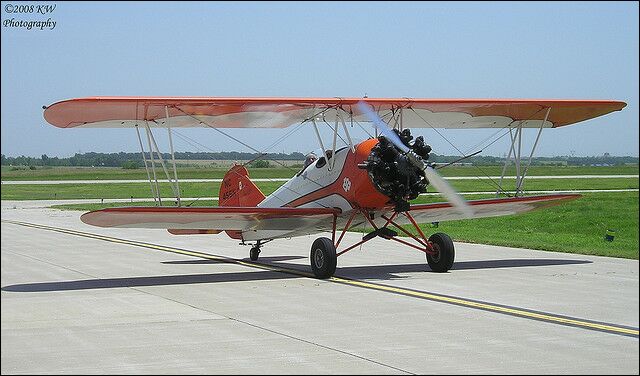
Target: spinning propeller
(432, 176)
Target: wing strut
(335, 138)
(516, 151)
(346, 131)
(153, 148)
(146, 165)
(153, 144)
(315, 127)
(173, 157)
(153, 165)
(533, 149)
(506, 163)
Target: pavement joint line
(52, 264)
(464, 302)
(279, 333)
(271, 331)
(327, 347)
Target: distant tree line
(134, 160)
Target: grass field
(577, 226)
(115, 190)
(114, 173)
(210, 189)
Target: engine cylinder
(393, 174)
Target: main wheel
(253, 253)
(442, 261)
(323, 258)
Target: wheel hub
(436, 252)
(318, 258)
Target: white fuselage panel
(313, 178)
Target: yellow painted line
(491, 307)
(514, 311)
(162, 248)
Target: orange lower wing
(210, 218)
(424, 213)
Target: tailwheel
(254, 252)
(323, 258)
(442, 260)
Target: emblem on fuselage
(346, 184)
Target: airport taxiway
(81, 299)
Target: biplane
(367, 183)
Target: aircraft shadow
(386, 272)
(166, 280)
(514, 263)
(380, 272)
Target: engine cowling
(391, 172)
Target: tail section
(237, 190)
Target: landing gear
(442, 260)
(438, 247)
(323, 258)
(255, 251)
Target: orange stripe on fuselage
(353, 184)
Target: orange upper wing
(117, 112)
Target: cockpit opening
(308, 161)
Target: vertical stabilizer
(237, 190)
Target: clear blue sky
(579, 50)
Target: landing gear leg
(255, 251)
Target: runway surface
(80, 299)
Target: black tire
(253, 253)
(443, 260)
(323, 258)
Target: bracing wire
(259, 152)
(498, 186)
(495, 184)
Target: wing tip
(93, 218)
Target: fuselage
(336, 182)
